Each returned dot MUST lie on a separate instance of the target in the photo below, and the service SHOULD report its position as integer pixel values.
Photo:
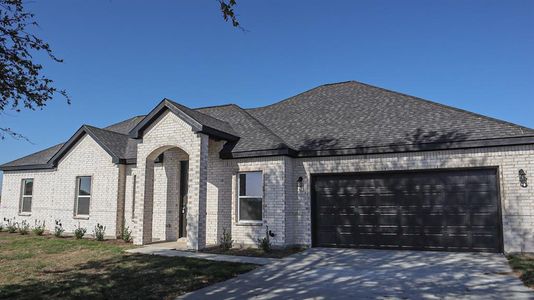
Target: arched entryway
(165, 195)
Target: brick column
(143, 209)
(196, 203)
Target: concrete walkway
(168, 249)
(320, 273)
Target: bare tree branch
(22, 84)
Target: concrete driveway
(321, 273)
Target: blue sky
(123, 56)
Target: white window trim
(77, 196)
(23, 195)
(250, 222)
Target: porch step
(181, 244)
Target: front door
(184, 171)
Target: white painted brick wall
(517, 202)
(222, 198)
(167, 132)
(212, 203)
(54, 190)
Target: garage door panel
(445, 210)
(327, 220)
(387, 220)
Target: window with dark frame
(26, 195)
(83, 195)
(250, 197)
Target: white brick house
(341, 165)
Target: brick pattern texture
(54, 190)
(150, 206)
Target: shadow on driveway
(322, 273)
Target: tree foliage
(227, 9)
(22, 84)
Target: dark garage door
(438, 210)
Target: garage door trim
(313, 177)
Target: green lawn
(44, 267)
(523, 265)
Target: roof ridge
(99, 141)
(212, 106)
(301, 93)
(104, 129)
(127, 120)
(181, 106)
(447, 106)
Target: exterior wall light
(300, 184)
(523, 178)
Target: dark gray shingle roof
(253, 135)
(205, 119)
(353, 114)
(332, 117)
(125, 126)
(37, 158)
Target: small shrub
(226, 240)
(265, 242)
(11, 225)
(126, 234)
(99, 232)
(58, 229)
(79, 232)
(39, 228)
(23, 227)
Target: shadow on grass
(127, 277)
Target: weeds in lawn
(58, 230)
(523, 264)
(39, 227)
(79, 232)
(35, 267)
(99, 232)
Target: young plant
(99, 232)
(23, 227)
(79, 232)
(58, 229)
(265, 242)
(11, 225)
(126, 234)
(226, 240)
(39, 227)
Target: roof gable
(197, 120)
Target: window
(83, 195)
(26, 196)
(250, 196)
